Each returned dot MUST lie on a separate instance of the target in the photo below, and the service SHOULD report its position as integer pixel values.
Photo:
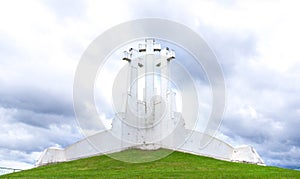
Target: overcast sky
(256, 42)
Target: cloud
(41, 43)
(257, 53)
(32, 132)
(18, 159)
(26, 98)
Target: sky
(256, 43)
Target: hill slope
(177, 164)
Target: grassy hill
(175, 165)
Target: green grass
(176, 165)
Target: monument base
(106, 142)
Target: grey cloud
(19, 134)
(36, 100)
(273, 95)
(266, 134)
(190, 64)
(20, 156)
(230, 46)
(40, 119)
(286, 156)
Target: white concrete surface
(152, 122)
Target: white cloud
(40, 48)
(256, 42)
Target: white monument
(148, 118)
